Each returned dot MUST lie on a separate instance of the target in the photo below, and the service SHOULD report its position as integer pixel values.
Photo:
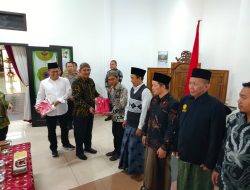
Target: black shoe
(91, 150)
(69, 147)
(70, 127)
(82, 157)
(114, 157)
(137, 177)
(108, 118)
(110, 153)
(55, 154)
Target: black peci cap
(52, 65)
(165, 79)
(201, 73)
(138, 71)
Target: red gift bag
(102, 105)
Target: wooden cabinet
(218, 84)
(179, 76)
(178, 72)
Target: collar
(164, 97)
(244, 117)
(71, 74)
(54, 80)
(137, 87)
(117, 86)
(84, 79)
(201, 98)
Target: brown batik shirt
(84, 92)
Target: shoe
(69, 147)
(82, 157)
(55, 154)
(108, 118)
(137, 177)
(91, 150)
(110, 153)
(70, 127)
(114, 157)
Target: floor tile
(67, 171)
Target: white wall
(133, 31)
(175, 24)
(224, 35)
(132, 34)
(226, 42)
(78, 23)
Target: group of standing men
(78, 88)
(194, 128)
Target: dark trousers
(110, 105)
(83, 132)
(51, 124)
(3, 133)
(117, 131)
(69, 113)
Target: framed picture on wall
(162, 57)
(66, 54)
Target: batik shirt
(71, 77)
(84, 92)
(235, 168)
(161, 122)
(4, 120)
(119, 99)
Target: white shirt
(146, 97)
(53, 90)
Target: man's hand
(161, 153)
(214, 178)
(144, 138)
(55, 103)
(203, 167)
(71, 98)
(10, 107)
(124, 123)
(138, 132)
(92, 110)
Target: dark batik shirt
(235, 168)
(161, 121)
(202, 124)
(84, 92)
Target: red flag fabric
(194, 58)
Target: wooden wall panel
(178, 72)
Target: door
(38, 58)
